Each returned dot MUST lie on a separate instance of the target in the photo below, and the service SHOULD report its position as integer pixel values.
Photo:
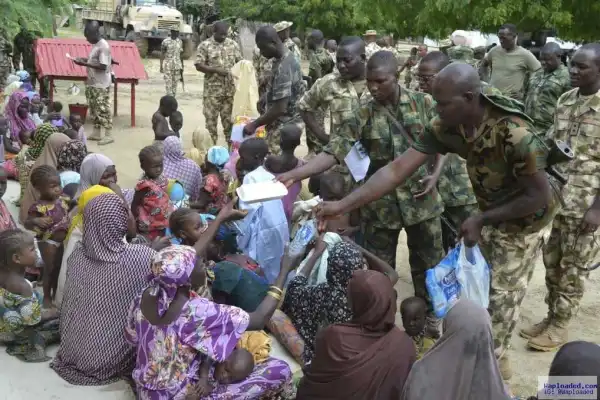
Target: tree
(36, 14)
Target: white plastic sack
(246, 90)
(473, 274)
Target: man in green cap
(283, 29)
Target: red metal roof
(51, 59)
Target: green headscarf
(41, 135)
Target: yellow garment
(246, 90)
(258, 343)
(423, 344)
(201, 142)
(84, 199)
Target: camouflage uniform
(23, 49)
(5, 64)
(384, 218)
(371, 49)
(320, 65)
(291, 46)
(262, 66)
(218, 89)
(463, 54)
(569, 251)
(504, 150)
(341, 98)
(98, 100)
(172, 64)
(286, 81)
(411, 69)
(542, 91)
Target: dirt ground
(527, 365)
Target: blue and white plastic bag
(463, 273)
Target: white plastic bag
(473, 274)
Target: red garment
(245, 262)
(155, 209)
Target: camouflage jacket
(285, 81)
(371, 49)
(262, 66)
(321, 64)
(291, 46)
(223, 55)
(504, 148)
(542, 91)
(172, 50)
(23, 48)
(370, 125)
(577, 122)
(463, 54)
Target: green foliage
(34, 13)
(198, 8)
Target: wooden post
(133, 104)
(51, 88)
(116, 89)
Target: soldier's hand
(428, 184)
(470, 230)
(328, 209)
(591, 220)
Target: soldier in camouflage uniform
(171, 62)
(284, 90)
(506, 162)
(5, 62)
(341, 92)
(453, 179)
(463, 54)
(370, 40)
(215, 57)
(545, 86)
(23, 51)
(573, 242)
(320, 65)
(283, 29)
(262, 66)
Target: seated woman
(203, 332)
(314, 307)
(29, 154)
(177, 166)
(464, 353)
(17, 120)
(93, 350)
(367, 358)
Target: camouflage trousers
(274, 135)
(425, 250)
(315, 146)
(567, 254)
(98, 100)
(171, 80)
(408, 77)
(511, 259)
(456, 216)
(215, 107)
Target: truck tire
(142, 45)
(188, 48)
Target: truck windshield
(149, 2)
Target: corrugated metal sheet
(51, 58)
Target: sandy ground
(27, 381)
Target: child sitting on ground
(76, 122)
(414, 318)
(331, 188)
(287, 161)
(151, 206)
(25, 328)
(237, 367)
(176, 122)
(264, 238)
(56, 118)
(160, 124)
(48, 218)
(213, 195)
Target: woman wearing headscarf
(313, 307)
(105, 273)
(96, 169)
(170, 314)
(177, 166)
(18, 116)
(70, 157)
(461, 365)
(366, 358)
(48, 156)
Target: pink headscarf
(17, 124)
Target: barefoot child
(287, 161)
(414, 318)
(48, 218)
(150, 206)
(160, 124)
(25, 328)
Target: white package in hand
(442, 284)
(473, 274)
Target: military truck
(145, 22)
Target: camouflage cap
(460, 53)
(282, 25)
(370, 32)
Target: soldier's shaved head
(585, 69)
(355, 43)
(317, 35)
(592, 49)
(268, 41)
(267, 33)
(383, 59)
(551, 48)
(221, 26)
(92, 32)
(350, 58)
(428, 68)
(436, 59)
(456, 90)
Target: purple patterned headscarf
(17, 124)
(171, 269)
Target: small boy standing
(176, 122)
(160, 125)
(414, 318)
(76, 122)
